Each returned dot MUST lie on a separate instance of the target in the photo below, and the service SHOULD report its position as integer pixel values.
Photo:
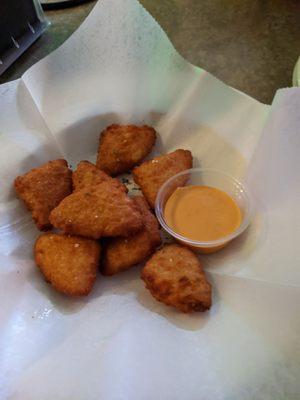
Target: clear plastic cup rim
(248, 213)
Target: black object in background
(59, 4)
(21, 23)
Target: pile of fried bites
(102, 226)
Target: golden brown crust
(104, 210)
(150, 222)
(43, 188)
(122, 253)
(87, 175)
(152, 174)
(121, 147)
(69, 263)
(175, 276)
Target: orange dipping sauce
(202, 213)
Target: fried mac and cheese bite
(68, 263)
(122, 253)
(43, 188)
(121, 147)
(174, 276)
(104, 210)
(152, 174)
(87, 175)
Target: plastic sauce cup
(216, 179)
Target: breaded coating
(69, 263)
(122, 253)
(104, 210)
(175, 277)
(43, 188)
(121, 147)
(152, 174)
(88, 175)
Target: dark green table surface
(251, 45)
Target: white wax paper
(118, 343)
